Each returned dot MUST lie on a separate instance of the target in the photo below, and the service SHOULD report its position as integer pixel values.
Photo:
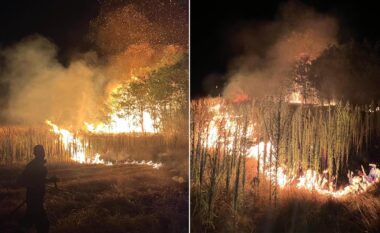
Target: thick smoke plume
(271, 50)
(41, 88)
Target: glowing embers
(144, 163)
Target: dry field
(297, 211)
(99, 198)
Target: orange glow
(122, 125)
(222, 121)
(79, 154)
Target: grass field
(98, 198)
(297, 211)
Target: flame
(123, 125)
(79, 153)
(240, 98)
(122, 122)
(295, 98)
(311, 180)
(119, 122)
(149, 163)
(68, 139)
(222, 121)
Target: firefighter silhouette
(34, 179)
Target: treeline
(300, 136)
(348, 71)
(163, 94)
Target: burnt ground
(99, 198)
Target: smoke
(41, 88)
(272, 48)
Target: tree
(162, 93)
(301, 82)
(347, 72)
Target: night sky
(212, 26)
(65, 23)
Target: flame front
(68, 140)
(123, 125)
(79, 153)
(311, 180)
(121, 121)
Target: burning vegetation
(112, 116)
(264, 147)
(131, 83)
(282, 140)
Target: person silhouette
(34, 179)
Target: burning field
(111, 112)
(291, 144)
(109, 182)
(255, 162)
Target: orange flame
(79, 154)
(312, 180)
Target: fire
(79, 153)
(144, 163)
(121, 122)
(240, 98)
(222, 120)
(68, 140)
(295, 98)
(310, 180)
(123, 125)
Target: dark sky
(211, 27)
(64, 22)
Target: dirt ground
(99, 198)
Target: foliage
(348, 72)
(163, 93)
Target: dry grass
(17, 142)
(298, 211)
(97, 198)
